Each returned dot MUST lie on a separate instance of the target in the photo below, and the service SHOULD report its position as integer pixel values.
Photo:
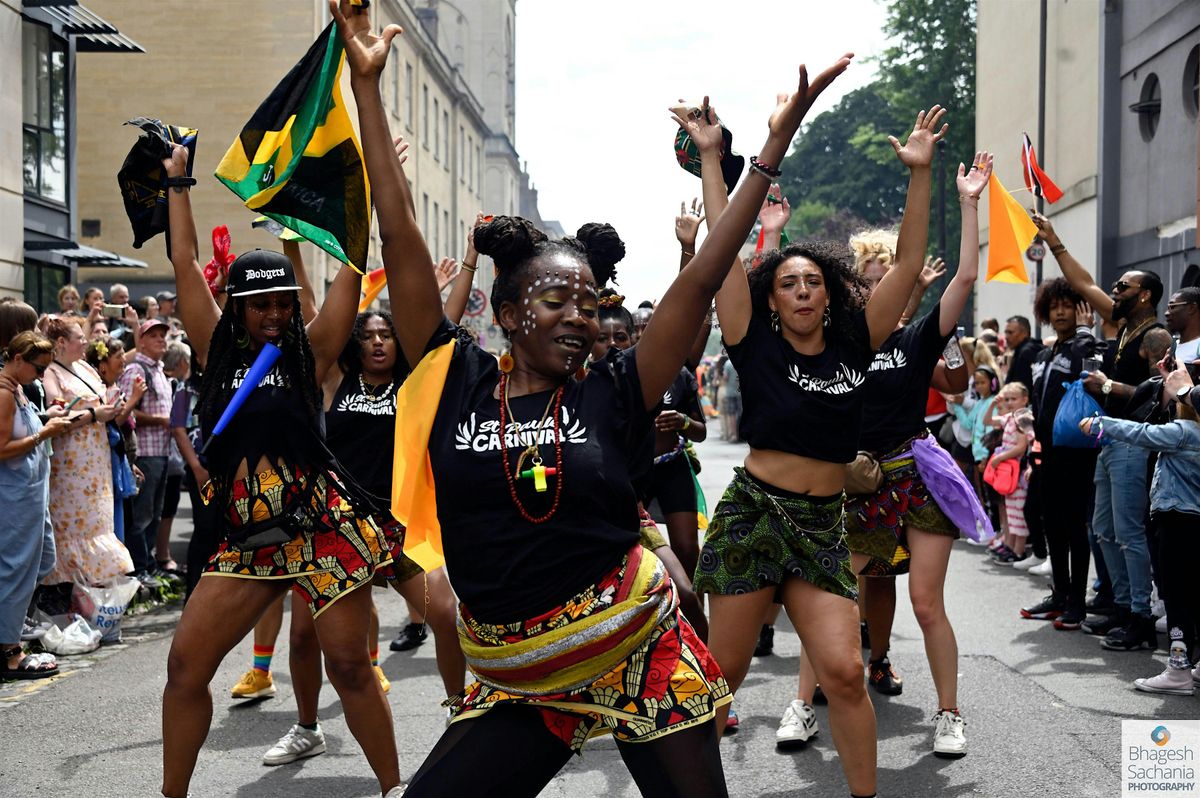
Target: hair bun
(605, 249)
(508, 240)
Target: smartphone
(74, 402)
(79, 417)
(1169, 362)
(113, 311)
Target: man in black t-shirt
(1024, 348)
(1122, 492)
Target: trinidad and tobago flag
(1036, 180)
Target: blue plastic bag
(1076, 405)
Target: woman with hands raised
(533, 488)
(800, 331)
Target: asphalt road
(1043, 711)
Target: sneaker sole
(314, 751)
(793, 744)
(1143, 646)
(949, 754)
(1164, 690)
(1053, 615)
(266, 692)
(1067, 626)
(893, 692)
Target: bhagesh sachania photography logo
(1154, 765)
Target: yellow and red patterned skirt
(663, 680)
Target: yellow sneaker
(383, 680)
(254, 684)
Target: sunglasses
(1121, 286)
(1179, 304)
(40, 369)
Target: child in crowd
(1175, 508)
(1016, 424)
(985, 384)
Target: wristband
(687, 422)
(1058, 249)
(92, 410)
(467, 268)
(766, 170)
(181, 182)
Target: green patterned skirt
(757, 539)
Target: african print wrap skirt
(760, 535)
(323, 565)
(618, 658)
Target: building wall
(12, 184)
(1006, 106)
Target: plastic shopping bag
(1075, 406)
(104, 607)
(77, 637)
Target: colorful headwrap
(688, 154)
(611, 301)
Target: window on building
(470, 167)
(436, 243)
(450, 247)
(462, 154)
(1149, 107)
(425, 116)
(1191, 83)
(479, 172)
(395, 70)
(44, 117)
(425, 214)
(446, 138)
(410, 96)
(437, 137)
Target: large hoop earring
(774, 321)
(827, 317)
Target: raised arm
(308, 297)
(197, 309)
(672, 330)
(406, 258)
(932, 271)
(460, 292)
(971, 184)
(329, 331)
(891, 295)
(774, 215)
(687, 227)
(1073, 270)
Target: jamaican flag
(298, 162)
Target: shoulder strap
(149, 379)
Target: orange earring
(506, 362)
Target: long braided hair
(229, 351)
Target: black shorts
(672, 484)
(171, 496)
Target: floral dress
(81, 486)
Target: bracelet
(37, 438)
(687, 422)
(92, 410)
(181, 182)
(1058, 249)
(967, 199)
(685, 252)
(767, 171)
(467, 268)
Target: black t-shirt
(808, 405)
(1024, 355)
(1056, 365)
(1130, 368)
(503, 567)
(360, 429)
(683, 395)
(898, 384)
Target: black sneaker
(1101, 604)
(1102, 625)
(1137, 634)
(1070, 620)
(1047, 609)
(883, 677)
(766, 641)
(410, 637)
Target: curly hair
(872, 245)
(226, 354)
(846, 288)
(513, 243)
(1050, 292)
(614, 309)
(350, 359)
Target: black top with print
(808, 405)
(898, 383)
(1055, 366)
(1130, 368)
(684, 394)
(503, 567)
(360, 430)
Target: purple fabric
(951, 490)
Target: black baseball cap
(261, 271)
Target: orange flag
(1010, 232)
(372, 284)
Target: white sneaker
(1172, 681)
(948, 738)
(396, 791)
(298, 743)
(1041, 570)
(1196, 675)
(1032, 561)
(1160, 625)
(797, 727)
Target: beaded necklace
(532, 451)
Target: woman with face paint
(569, 624)
(800, 331)
(290, 517)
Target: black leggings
(1178, 553)
(1033, 513)
(1067, 485)
(508, 751)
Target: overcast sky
(594, 81)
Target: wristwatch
(1106, 388)
(1183, 393)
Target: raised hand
(971, 182)
(917, 152)
(687, 224)
(702, 126)
(176, 165)
(401, 149)
(1084, 315)
(775, 211)
(1045, 228)
(790, 110)
(366, 53)
(933, 269)
(445, 271)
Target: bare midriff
(795, 473)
